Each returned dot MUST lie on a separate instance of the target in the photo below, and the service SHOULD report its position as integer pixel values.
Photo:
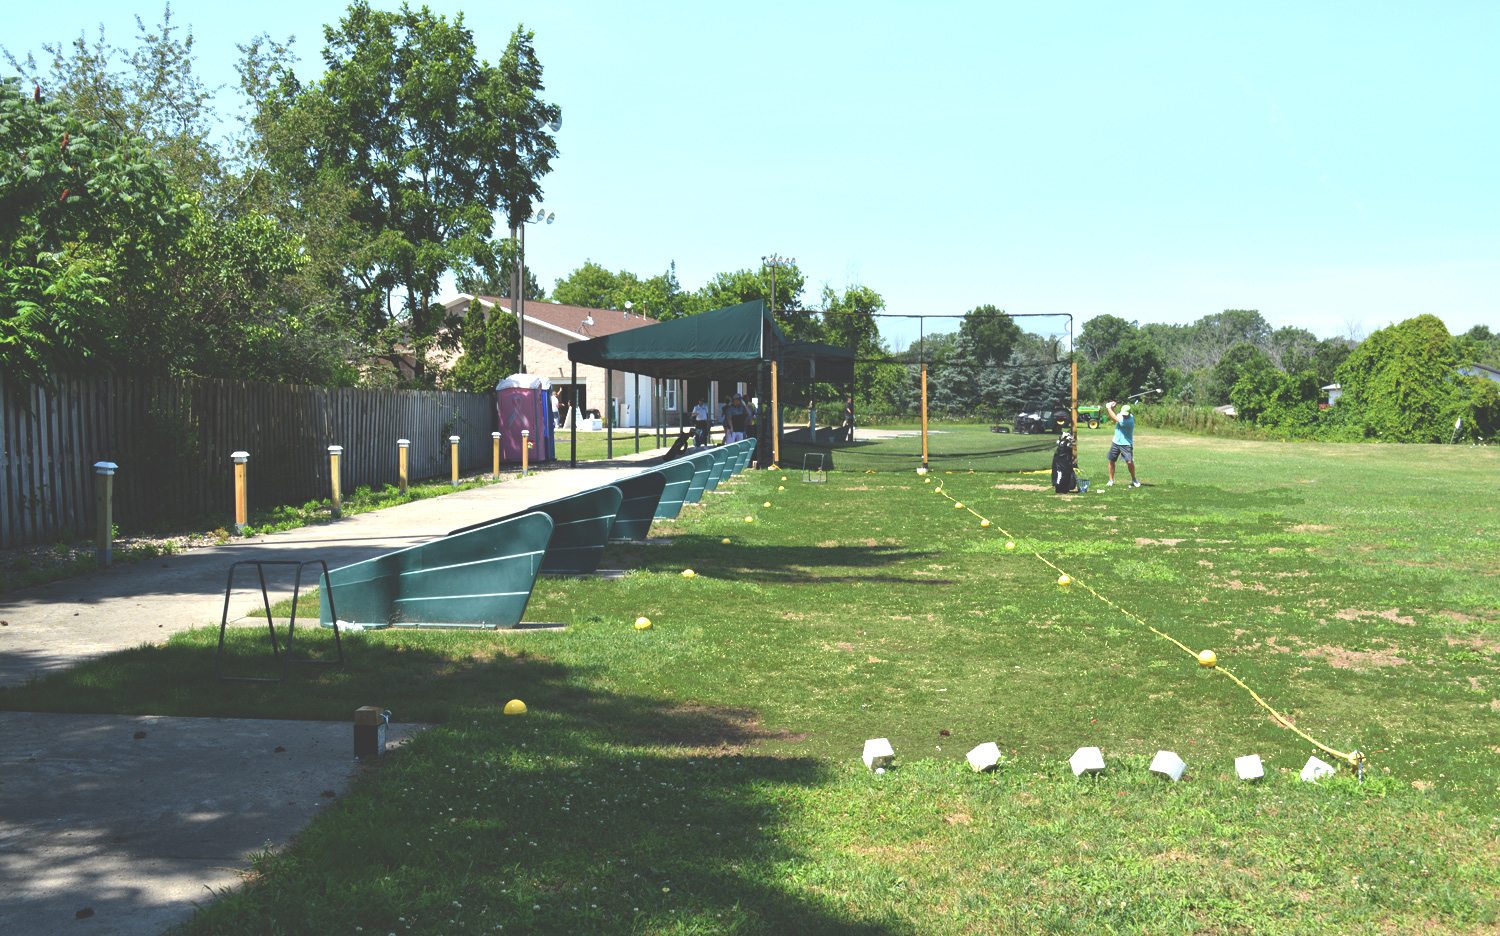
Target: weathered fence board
(173, 438)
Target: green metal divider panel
(679, 478)
(479, 578)
(747, 448)
(703, 466)
(721, 463)
(580, 528)
(640, 496)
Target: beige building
(550, 327)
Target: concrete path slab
(136, 830)
(51, 627)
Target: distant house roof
(577, 322)
(1480, 370)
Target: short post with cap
(334, 451)
(525, 450)
(241, 502)
(453, 445)
(104, 535)
(495, 475)
(404, 446)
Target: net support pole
(1075, 412)
(924, 416)
(573, 421)
(775, 417)
(609, 412)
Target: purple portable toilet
(522, 401)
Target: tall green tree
(1102, 334)
(991, 333)
(1401, 382)
(87, 220)
(491, 343)
(434, 140)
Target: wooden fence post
(404, 445)
(334, 451)
(525, 450)
(241, 503)
(105, 534)
(495, 437)
(453, 442)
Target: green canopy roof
(725, 344)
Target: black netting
(981, 417)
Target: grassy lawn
(703, 776)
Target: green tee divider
(580, 528)
(719, 472)
(703, 466)
(640, 496)
(480, 578)
(678, 476)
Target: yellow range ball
(957, 506)
(642, 623)
(725, 541)
(515, 707)
(1010, 545)
(984, 523)
(688, 573)
(1064, 580)
(926, 480)
(1208, 658)
(749, 519)
(766, 504)
(783, 479)
(781, 487)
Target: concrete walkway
(118, 824)
(53, 626)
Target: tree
(479, 283)
(1401, 383)
(87, 219)
(434, 140)
(1102, 334)
(1234, 365)
(1123, 371)
(849, 322)
(727, 289)
(491, 345)
(991, 333)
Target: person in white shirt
(700, 423)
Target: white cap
(453, 438)
(403, 442)
(494, 435)
(335, 450)
(105, 468)
(240, 457)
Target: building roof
(579, 321)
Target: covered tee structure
(741, 343)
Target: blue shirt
(1125, 431)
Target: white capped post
(334, 451)
(525, 450)
(495, 475)
(404, 445)
(453, 445)
(104, 535)
(241, 503)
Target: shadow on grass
(597, 812)
(778, 565)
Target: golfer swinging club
(1124, 443)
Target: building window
(671, 394)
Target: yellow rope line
(1354, 758)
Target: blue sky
(1329, 164)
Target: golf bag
(1064, 478)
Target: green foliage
(87, 218)
(491, 345)
(1123, 371)
(1241, 362)
(1400, 382)
(1102, 334)
(991, 333)
(660, 297)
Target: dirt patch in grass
(1478, 644)
(1142, 541)
(840, 647)
(1310, 528)
(1354, 614)
(1357, 660)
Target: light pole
(774, 261)
(518, 291)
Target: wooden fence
(172, 440)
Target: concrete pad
(54, 626)
(136, 830)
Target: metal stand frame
(284, 657)
(811, 475)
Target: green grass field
(703, 776)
